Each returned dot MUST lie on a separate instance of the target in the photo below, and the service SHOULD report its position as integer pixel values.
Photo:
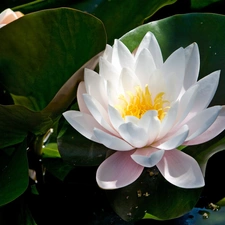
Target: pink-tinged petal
(118, 171)
(121, 56)
(133, 134)
(144, 67)
(174, 140)
(168, 121)
(95, 86)
(108, 53)
(151, 123)
(111, 141)
(19, 14)
(7, 16)
(174, 70)
(83, 123)
(149, 41)
(128, 80)
(148, 156)
(192, 60)
(99, 113)
(216, 128)
(80, 91)
(202, 121)
(206, 91)
(181, 169)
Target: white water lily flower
(144, 108)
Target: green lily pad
(37, 61)
(47, 48)
(13, 172)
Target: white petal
(111, 141)
(174, 140)
(134, 135)
(99, 113)
(149, 41)
(115, 117)
(216, 128)
(108, 53)
(121, 56)
(95, 86)
(192, 59)
(186, 103)
(80, 91)
(144, 67)
(128, 81)
(148, 156)
(151, 123)
(181, 170)
(83, 123)
(174, 70)
(202, 121)
(168, 121)
(206, 91)
(108, 71)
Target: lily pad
(47, 48)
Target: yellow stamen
(141, 102)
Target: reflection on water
(203, 216)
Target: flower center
(140, 102)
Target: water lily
(144, 108)
(8, 16)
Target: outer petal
(216, 128)
(117, 171)
(111, 141)
(108, 53)
(83, 123)
(148, 156)
(181, 169)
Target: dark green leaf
(78, 150)
(120, 17)
(13, 172)
(46, 49)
